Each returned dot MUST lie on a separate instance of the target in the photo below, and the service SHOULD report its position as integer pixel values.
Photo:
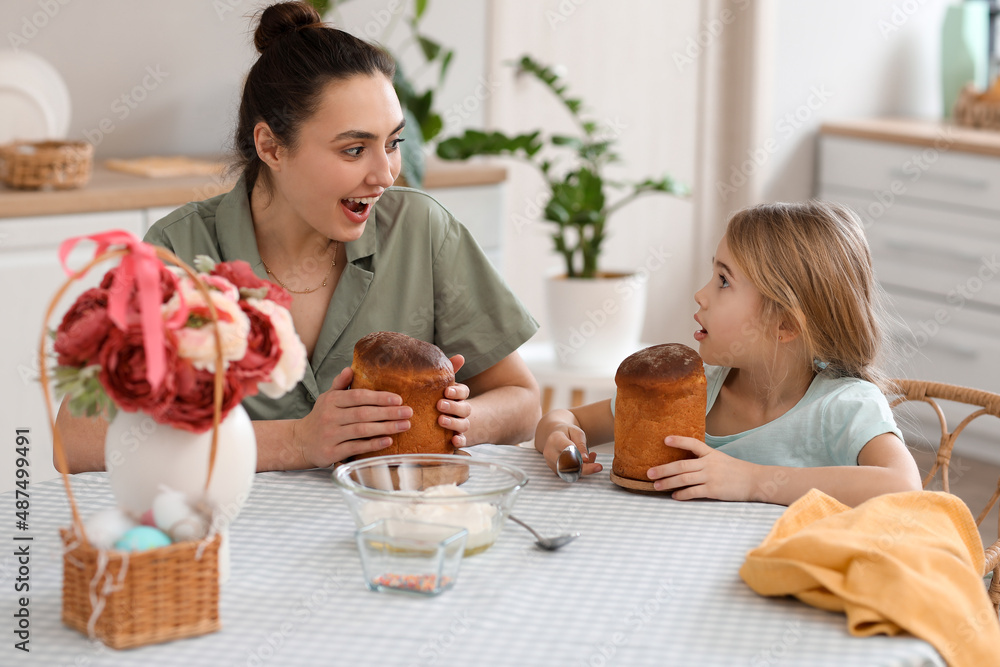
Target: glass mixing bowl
(444, 489)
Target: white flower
(291, 364)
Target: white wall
(618, 57)
(847, 59)
(201, 50)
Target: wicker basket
(60, 164)
(134, 599)
(977, 109)
(148, 597)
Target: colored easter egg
(142, 538)
(106, 527)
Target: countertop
(115, 191)
(917, 132)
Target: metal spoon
(569, 465)
(547, 543)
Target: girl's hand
(455, 411)
(567, 435)
(711, 475)
(345, 422)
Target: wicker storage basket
(134, 599)
(60, 164)
(976, 109)
(152, 596)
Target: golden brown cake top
(651, 366)
(387, 353)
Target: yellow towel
(900, 562)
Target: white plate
(34, 99)
(23, 117)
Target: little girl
(788, 330)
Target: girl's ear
(787, 331)
(268, 147)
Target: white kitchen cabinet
(931, 208)
(31, 274)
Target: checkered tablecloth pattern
(652, 581)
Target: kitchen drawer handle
(936, 251)
(946, 179)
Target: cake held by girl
(788, 328)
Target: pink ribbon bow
(140, 269)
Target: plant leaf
(445, 63)
(419, 7)
(432, 126)
(430, 48)
(413, 163)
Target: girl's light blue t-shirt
(829, 425)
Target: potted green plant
(417, 104)
(579, 204)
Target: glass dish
(444, 489)
(410, 556)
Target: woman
(319, 144)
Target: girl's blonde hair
(811, 263)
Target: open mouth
(359, 206)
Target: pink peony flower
(83, 329)
(240, 274)
(191, 408)
(196, 339)
(123, 370)
(263, 351)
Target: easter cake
(418, 372)
(661, 392)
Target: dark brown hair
(299, 56)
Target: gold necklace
(336, 247)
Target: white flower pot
(141, 455)
(595, 322)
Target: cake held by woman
(418, 372)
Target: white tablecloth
(652, 581)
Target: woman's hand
(711, 475)
(345, 422)
(454, 409)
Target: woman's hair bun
(283, 18)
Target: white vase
(596, 322)
(142, 455)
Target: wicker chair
(987, 403)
